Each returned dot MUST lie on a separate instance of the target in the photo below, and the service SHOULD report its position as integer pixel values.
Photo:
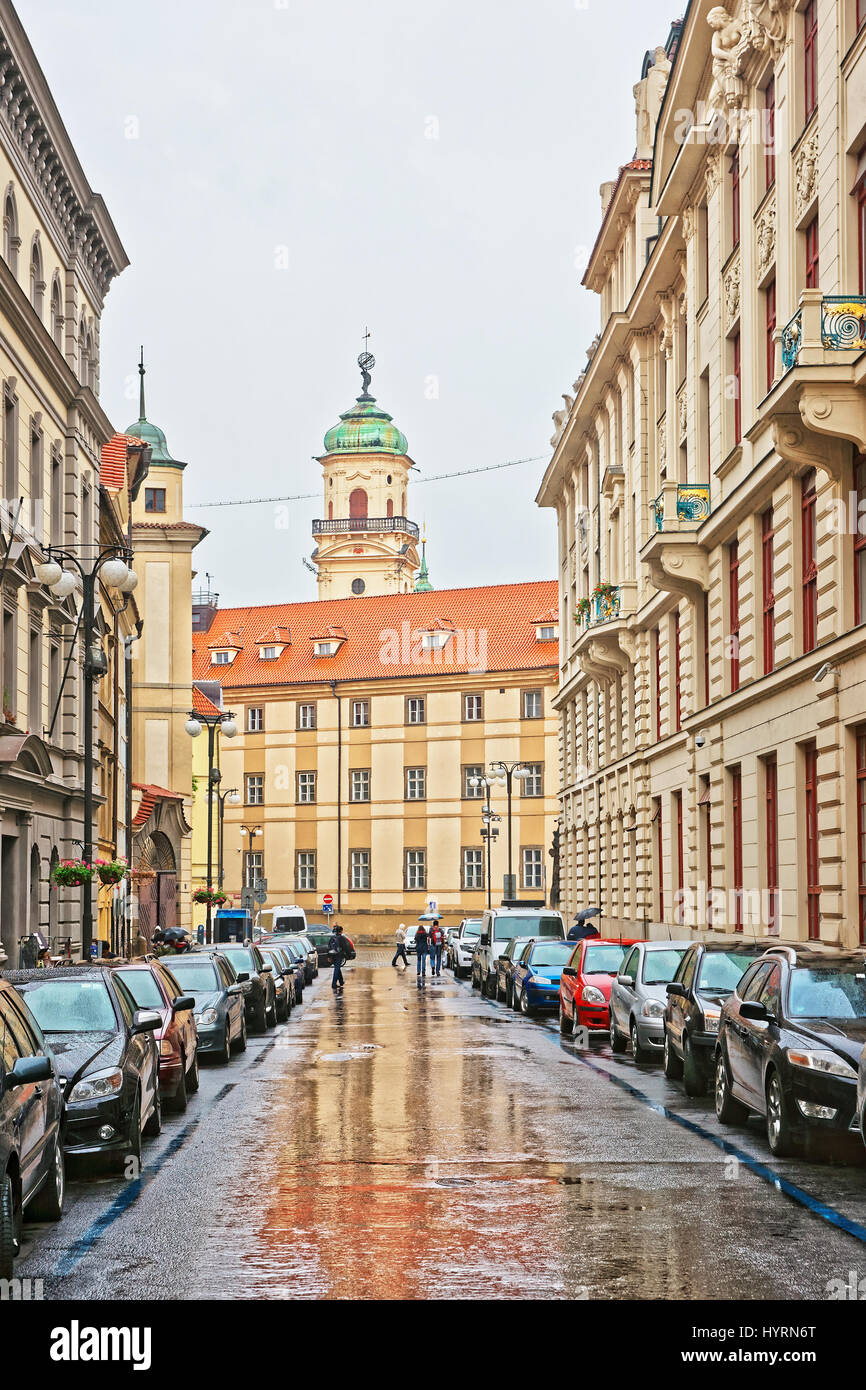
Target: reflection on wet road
(397, 1143)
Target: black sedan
(319, 934)
(257, 977)
(284, 979)
(302, 950)
(707, 974)
(105, 1054)
(790, 1042)
(505, 969)
(31, 1110)
(219, 1002)
(298, 956)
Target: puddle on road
(350, 1054)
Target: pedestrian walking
(400, 953)
(437, 941)
(337, 953)
(422, 946)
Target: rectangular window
(813, 877)
(56, 499)
(734, 612)
(533, 783)
(359, 789)
(473, 868)
(221, 659)
(677, 694)
(360, 714)
(154, 499)
(809, 501)
(532, 704)
(54, 665)
(660, 871)
(861, 830)
(255, 789)
(770, 307)
(813, 266)
(306, 716)
(861, 231)
(707, 829)
(810, 58)
(735, 200)
(415, 870)
(770, 132)
(769, 597)
(415, 710)
(771, 829)
(306, 871)
(10, 663)
(473, 709)
(360, 868)
(10, 447)
(255, 719)
(533, 868)
(268, 653)
(706, 607)
(678, 807)
(416, 783)
(34, 682)
(703, 254)
(737, 845)
(657, 678)
(253, 867)
(306, 788)
(738, 386)
(472, 772)
(860, 541)
(37, 463)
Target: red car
(153, 986)
(584, 988)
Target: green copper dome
(151, 434)
(365, 426)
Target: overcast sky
(283, 173)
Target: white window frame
(306, 716)
(360, 776)
(474, 879)
(255, 719)
(537, 699)
(473, 702)
(306, 787)
(416, 777)
(532, 868)
(255, 789)
(535, 780)
(305, 861)
(416, 704)
(360, 714)
(361, 870)
(416, 869)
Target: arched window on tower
(11, 240)
(37, 284)
(330, 511)
(389, 510)
(403, 505)
(57, 313)
(358, 504)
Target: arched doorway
(157, 889)
(358, 504)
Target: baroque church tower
(365, 543)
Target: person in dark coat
(337, 953)
(582, 929)
(422, 947)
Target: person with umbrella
(583, 927)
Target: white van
(280, 919)
(498, 925)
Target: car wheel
(47, 1205)
(154, 1123)
(638, 1051)
(566, 1024)
(515, 998)
(617, 1041)
(524, 1004)
(780, 1136)
(299, 996)
(179, 1099)
(271, 1015)
(192, 1077)
(9, 1239)
(498, 994)
(476, 982)
(694, 1079)
(509, 995)
(260, 1020)
(242, 1041)
(133, 1144)
(728, 1110)
(673, 1067)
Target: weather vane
(366, 362)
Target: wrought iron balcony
(368, 524)
(602, 607)
(692, 505)
(842, 327)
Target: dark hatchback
(219, 1002)
(106, 1057)
(298, 956)
(319, 934)
(707, 975)
(505, 968)
(255, 974)
(790, 1042)
(284, 978)
(31, 1111)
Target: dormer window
(222, 658)
(434, 641)
(547, 632)
(269, 653)
(326, 648)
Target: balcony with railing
(676, 559)
(823, 324)
(371, 525)
(601, 619)
(817, 403)
(680, 504)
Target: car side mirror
(234, 990)
(627, 980)
(146, 1021)
(570, 972)
(243, 977)
(186, 1001)
(756, 1011)
(676, 988)
(27, 1071)
(267, 969)
(484, 939)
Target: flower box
(72, 873)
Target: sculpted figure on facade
(730, 47)
(806, 173)
(769, 23)
(765, 237)
(649, 94)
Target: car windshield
(554, 953)
(276, 957)
(294, 950)
(71, 1006)
(471, 929)
(143, 988)
(515, 946)
(198, 976)
(661, 966)
(531, 925)
(242, 959)
(603, 960)
(830, 993)
(289, 922)
(721, 971)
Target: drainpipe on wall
(336, 696)
(127, 663)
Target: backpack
(436, 936)
(348, 948)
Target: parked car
(461, 945)
(319, 933)
(302, 950)
(409, 942)
(536, 975)
(505, 968)
(153, 986)
(256, 975)
(707, 974)
(585, 984)
(312, 953)
(861, 1096)
(791, 1039)
(275, 920)
(638, 997)
(219, 1002)
(32, 1177)
(284, 978)
(105, 1054)
(298, 957)
(498, 925)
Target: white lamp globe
(229, 727)
(129, 583)
(114, 573)
(475, 781)
(64, 586)
(522, 772)
(233, 799)
(49, 573)
(193, 728)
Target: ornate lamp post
(112, 567)
(212, 722)
(252, 831)
(488, 832)
(232, 796)
(504, 773)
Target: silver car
(860, 1113)
(639, 994)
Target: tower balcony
(676, 559)
(369, 525)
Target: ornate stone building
(709, 480)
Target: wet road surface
(397, 1143)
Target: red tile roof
(113, 463)
(202, 705)
(150, 795)
(275, 636)
(494, 630)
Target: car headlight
(711, 1020)
(653, 1008)
(826, 1062)
(540, 980)
(207, 1016)
(99, 1085)
(591, 995)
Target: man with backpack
(422, 945)
(437, 941)
(337, 953)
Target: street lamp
(112, 568)
(252, 831)
(504, 773)
(489, 832)
(194, 725)
(232, 796)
